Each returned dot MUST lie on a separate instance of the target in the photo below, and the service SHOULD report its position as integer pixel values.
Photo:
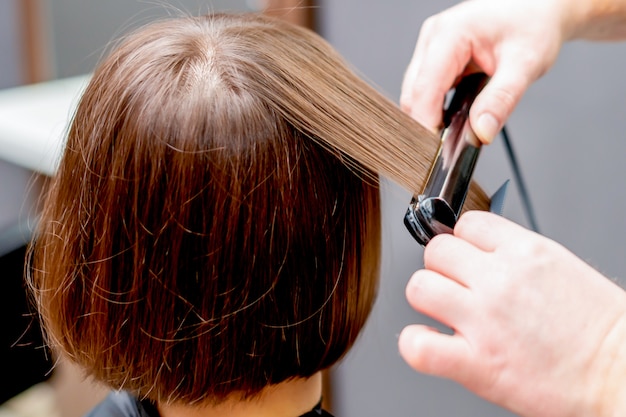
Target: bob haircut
(214, 225)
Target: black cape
(122, 404)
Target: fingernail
(487, 127)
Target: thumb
(496, 102)
(430, 352)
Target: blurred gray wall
(569, 135)
(9, 44)
(82, 30)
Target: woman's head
(214, 224)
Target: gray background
(568, 131)
(9, 45)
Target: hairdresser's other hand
(514, 41)
(537, 330)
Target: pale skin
(513, 41)
(537, 330)
(287, 399)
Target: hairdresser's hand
(537, 330)
(514, 41)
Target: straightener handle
(438, 207)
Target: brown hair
(214, 225)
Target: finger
(433, 80)
(410, 73)
(496, 102)
(486, 231)
(428, 351)
(438, 297)
(454, 258)
(437, 65)
(408, 83)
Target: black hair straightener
(437, 208)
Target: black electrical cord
(517, 174)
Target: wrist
(577, 18)
(600, 20)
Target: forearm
(600, 20)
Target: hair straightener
(437, 209)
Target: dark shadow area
(24, 361)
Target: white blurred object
(34, 121)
